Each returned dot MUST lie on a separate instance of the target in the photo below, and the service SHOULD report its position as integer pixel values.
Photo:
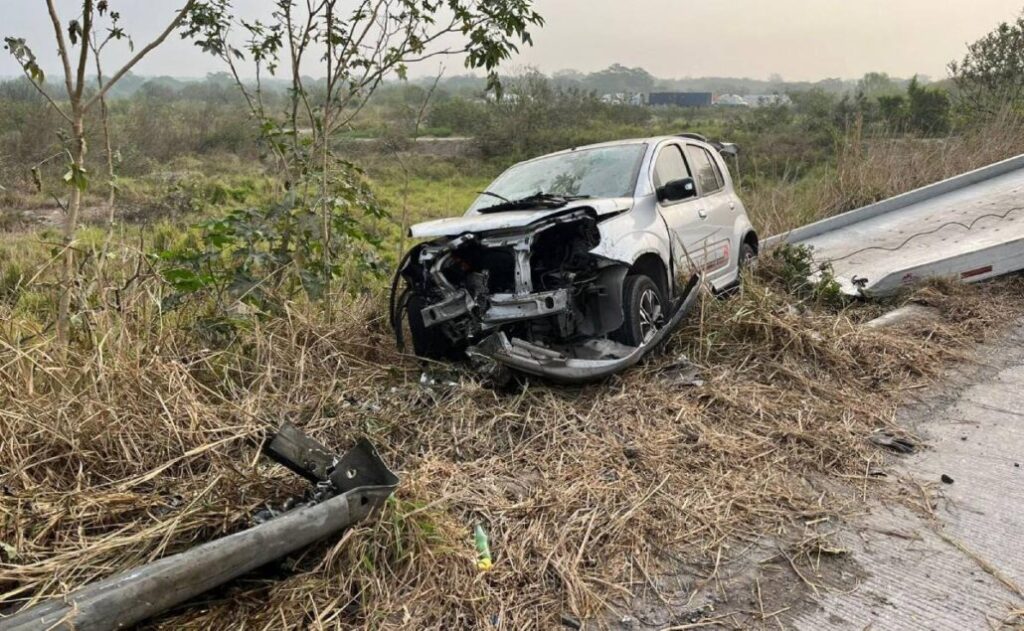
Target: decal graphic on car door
(687, 219)
(719, 247)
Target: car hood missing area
(487, 222)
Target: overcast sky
(798, 39)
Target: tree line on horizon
(617, 78)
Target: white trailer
(969, 227)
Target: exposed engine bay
(541, 283)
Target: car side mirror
(676, 190)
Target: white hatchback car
(574, 264)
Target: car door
(720, 209)
(687, 220)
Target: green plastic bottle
(483, 549)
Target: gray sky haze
(798, 39)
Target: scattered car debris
(347, 489)
(432, 380)
(946, 479)
(889, 440)
(682, 372)
(575, 265)
(484, 562)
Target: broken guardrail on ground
(347, 490)
(969, 227)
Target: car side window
(708, 176)
(670, 166)
(718, 171)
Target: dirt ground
(26, 219)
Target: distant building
(765, 100)
(623, 98)
(681, 99)
(508, 97)
(731, 100)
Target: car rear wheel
(747, 256)
(643, 309)
(745, 259)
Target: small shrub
(12, 219)
(794, 267)
(271, 252)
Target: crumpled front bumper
(564, 368)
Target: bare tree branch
(62, 47)
(142, 53)
(49, 99)
(83, 57)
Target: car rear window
(709, 177)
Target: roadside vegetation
(238, 279)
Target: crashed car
(575, 264)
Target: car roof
(651, 141)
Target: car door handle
(732, 205)
(703, 214)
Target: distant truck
(681, 99)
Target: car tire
(746, 257)
(643, 310)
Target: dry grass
(145, 446)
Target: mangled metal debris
(348, 489)
(894, 441)
(587, 361)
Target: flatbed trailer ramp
(969, 227)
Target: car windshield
(598, 172)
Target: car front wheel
(643, 309)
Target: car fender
(629, 236)
(741, 227)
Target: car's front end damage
(528, 292)
(589, 360)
